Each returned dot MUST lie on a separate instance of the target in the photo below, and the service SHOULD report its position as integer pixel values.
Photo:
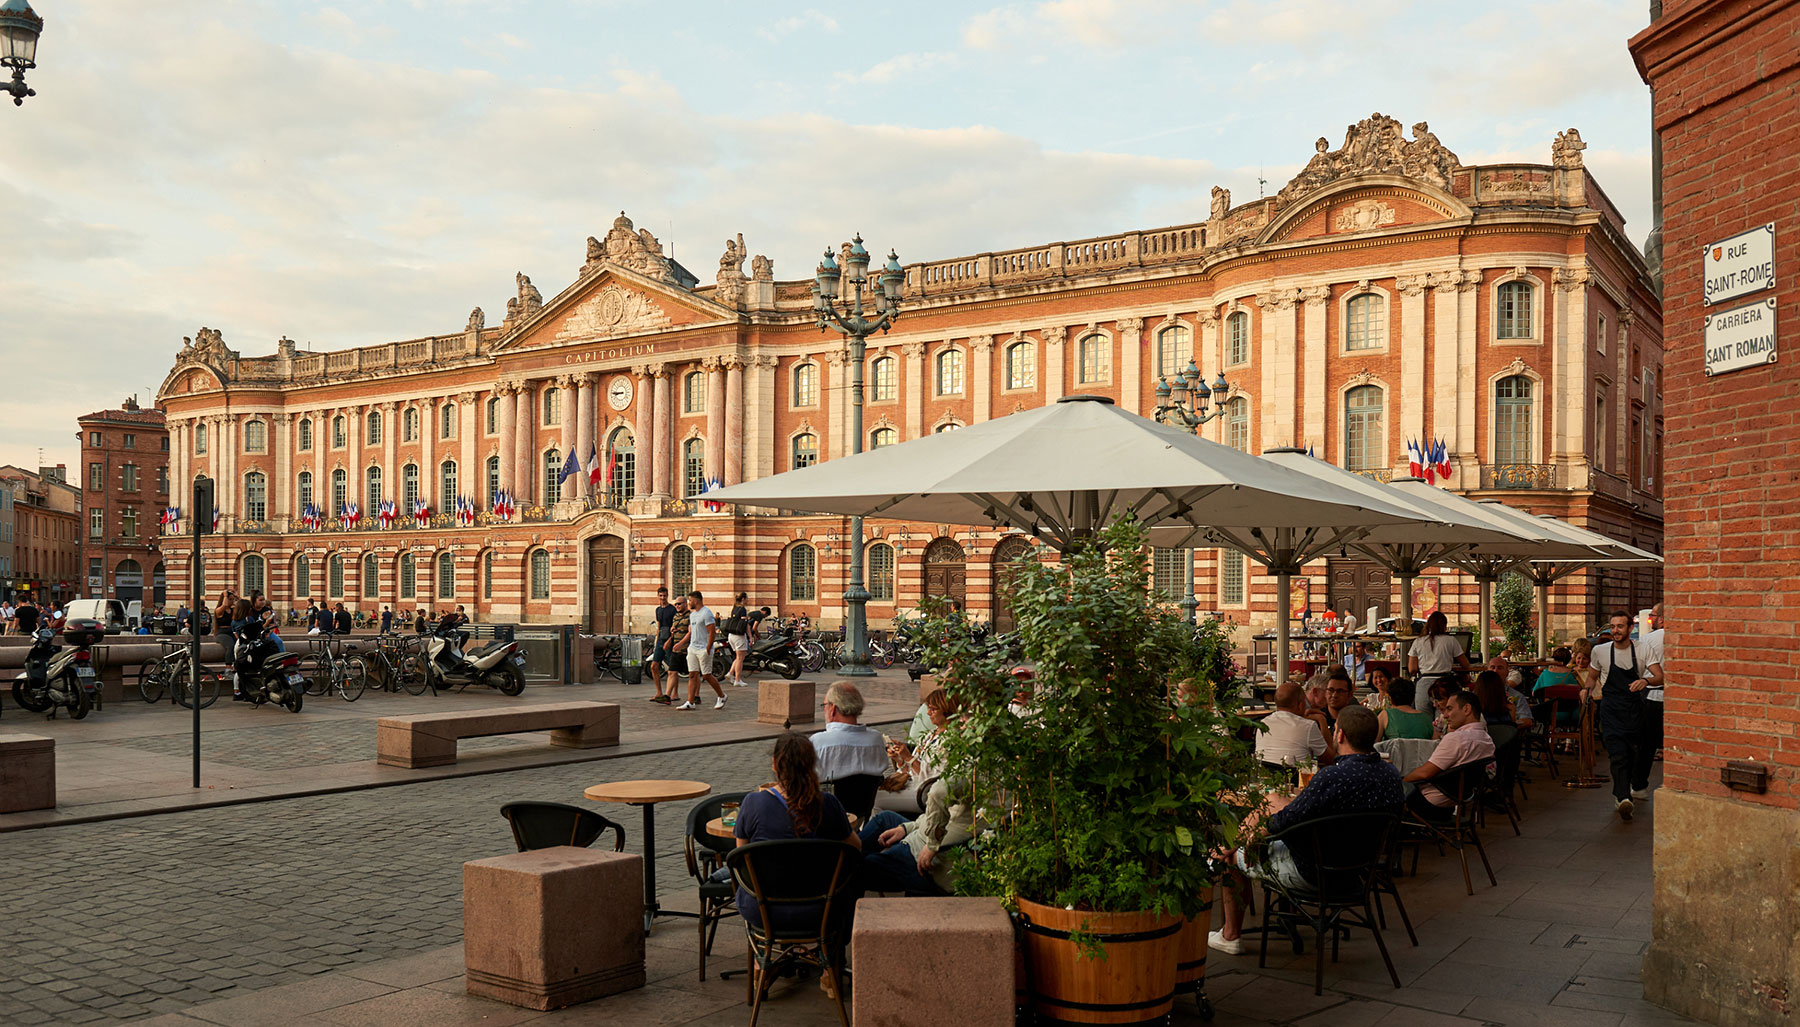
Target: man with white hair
(846, 748)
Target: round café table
(647, 794)
(716, 826)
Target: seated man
(1360, 781)
(904, 856)
(1337, 694)
(846, 748)
(1291, 735)
(1467, 741)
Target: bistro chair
(1497, 792)
(804, 890)
(856, 794)
(541, 825)
(1558, 716)
(1456, 826)
(705, 855)
(1346, 852)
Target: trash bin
(631, 659)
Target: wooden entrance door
(1005, 554)
(1356, 585)
(946, 571)
(606, 585)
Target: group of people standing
(687, 631)
(23, 619)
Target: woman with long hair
(1435, 655)
(737, 631)
(1401, 719)
(794, 807)
(1496, 705)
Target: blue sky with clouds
(353, 174)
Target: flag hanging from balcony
(465, 511)
(215, 523)
(421, 512)
(308, 517)
(1415, 460)
(387, 513)
(352, 515)
(570, 466)
(503, 504)
(1443, 459)
(708, 505)
(593, 467)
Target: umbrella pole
(1543, 612)
(1284, 603)
(1404, 628)
(1481, 628)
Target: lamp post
(19, 29)
(1184, 405)
(847, 315)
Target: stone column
(666, 457)
(1569, 388)
(1412, 358)
(761, 396)
(225, 459)
(585, 444)
(390, 466)
(644, 429)
(1281, 375)
(1316, 347)
(472, 472)
(178, 460)
(1054, 336)
(1211, 360)
(525, 456)
(1445, 417)
(353, 465)
(1131, 364)
(734, 420)
(1466, 327)
(981, 377)
(715, 419)
(506, 410)
(428, 480)
(915, 388)
(321, 474)
(281, 442)
(834, 394)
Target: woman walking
(737, 630)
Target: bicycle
(347, 674)
(399, 661)
(169, 673)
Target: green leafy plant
(1513, 601)
(1109, 792)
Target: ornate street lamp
(1184, 405)
(848, 316)
(19, 29)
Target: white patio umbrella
(1062, 471)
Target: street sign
(1740, 265)
(1741, 337)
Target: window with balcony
(693, 468)
(256, 496)
(1365, 433)
(806, 450)
(1512, 421)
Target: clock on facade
(618, 392)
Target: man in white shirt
(1289, 736)
(1652, 740)
(846, 748)
(703, 630)
(1628, 668)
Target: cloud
(900, 66)
(1107, 25)
(782, 28)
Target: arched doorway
(606, 584)
(1006, 553)
(159, 585)
(946, 570)
(128, 581)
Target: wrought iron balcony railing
(1521, 476)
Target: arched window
(883, 437)
(681, 569)
(552, 476)
(803, 569)
(1021, 365)
(409, 577)
(1514, 319)
(487, 575)
(540, 574)
(1237, 423)
(1237, 338)
(947, 426)
(409, 489)
(446, 576)
(552, 405)
(493, 415)
(882, 379)
(339, 433)
(334, 576)
(1173, 350)
(693, 392)
(693, 467)
(306, 434)
(371, 576)
(200, 438)
(806, 450)
(372, 427)
(1364, 327)
(493, 479)
(881, 572)
(255, 577)
(1094, 354)
(1512, 420)
(304, 491)
(447, 493)
(409, 424)
(340, 491)
(622, 447)
(950, 372)
(1365, 436)
(372, 491)
(256, 437)
(447, 421)
(806, 385)
(256, 496)
(302, 577)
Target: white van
(109, 612)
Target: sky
(357, 174)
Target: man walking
(703, 630)
(1650, 745)
(1628, 668)
(675, 652)
(659, 656)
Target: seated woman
(905, 790)
(795, 808)
(1378, 681)
(1496, 705)
(1400, 719)
(1560, 673)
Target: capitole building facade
(1386, 293)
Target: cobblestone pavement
(292, 746)
(124, 918)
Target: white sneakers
(693, 706)
(720, 704)
(687, 706)
(1640, 794)
(1216, 940)
(1624, 809)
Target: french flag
(1443, 460)
(593, 468)
(1415, 460)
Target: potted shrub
(1109, 800)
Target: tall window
(334, 576)
(540, 574)
(950, 372)
(881, 378)
(487, 575)
(1363, 328)
(623, 448)
(1172, 572)
(339, 433)
(803, 568)
(162, 479)
(129, 440)
(371, 427)
(96, 522)
(256, 575)
(881, 572)
(372, 491)
(305, 490)
(96, 477)
(371, 577)
(493, 415)
(302, 577)
(1231, 577)
(1600, 430)
(693, 467)
(409, 424)
(1512, 420)
(1237, 423)
(806, 450)
(1173, 350)
(256, 496)
(681, 569)
(1600, 333)
(446, 576)
(409, 577)
(200, 438)
(447, 487)
(128, 522)
(1094, 355)
(493, 479)
(447, 421)
(1237, 338)
(256, 437)
(1021, 366)
(693, 392)
(806, 385)
(1515, 311)
(340, 491)
(882, 437)
(552, 476)
(306, 441)
(409, 489)
(1365, 438)
(128, 478)
(552, 405)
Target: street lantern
(1183, 404)
(19, 30)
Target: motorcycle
(778, 652)
(500, 666)
(55, 676)
(264, 673)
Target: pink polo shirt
(1466, 744)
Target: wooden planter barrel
(1134, 983)
(1190, 953)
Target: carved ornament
(1565, 152)
(982, 343)
(1517, 366)
(635, 250)
(1055, 335)
(1373, 146)
(1362, 216)
(612, 311)
(1363, 377)
(1412, 285)
(1569, 279)
(913, 350)
(1209, 319)
(1316, 294)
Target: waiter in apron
(1627, 669)
(1435, 656)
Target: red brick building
(125, 488)
(1725, 75)
(46, 542)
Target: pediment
(187, 378)
(610, 303)
(1375, 204)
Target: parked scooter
(779, 652)
(263, 673)
(55, 676)
(500, 666)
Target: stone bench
(429, 739)
(963, 946)
(785, 702)
(27, 773)
(552, 927)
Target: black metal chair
(804, 890)
(1456, 826)
(705, 855)
(541, 825)
(856, 793)
(1497, 792)
(1346, 851)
